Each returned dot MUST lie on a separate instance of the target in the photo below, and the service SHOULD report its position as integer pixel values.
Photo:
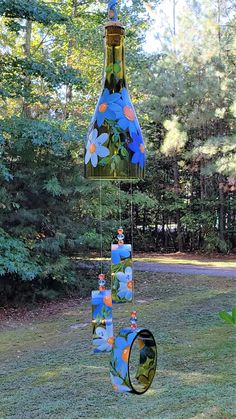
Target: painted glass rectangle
(121, 273)
(102, 321)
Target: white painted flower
(95, 149)
(125, 284)
(105, 339)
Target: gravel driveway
(184, 269)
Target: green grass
(48, 371)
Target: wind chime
(115, 150)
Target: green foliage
(214, 243)
(15, 258)
(53, 186)
(15, 69)
(188, 90)
(223, 150)
(47, 294)
(51, 67)
(33, 10)
(175, 139)
(4, 173)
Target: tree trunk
(178, 213)
(174, 16)
(163, 231)
(69, 91)
(144, 220)
(27, 47)
(221, 209)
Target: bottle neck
(114, 71)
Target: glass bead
(133, 326)
(101, 282)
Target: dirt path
(185, 269)
(11, 318)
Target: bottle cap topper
(112, 13)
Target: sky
(162, 12)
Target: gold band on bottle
(114, 34)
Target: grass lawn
(48, 371)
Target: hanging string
(133, 318)
(101, 238)
(132, 228)
(119, 206)
(131, 215)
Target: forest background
(51, 55)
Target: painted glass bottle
(114, 146)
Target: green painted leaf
(104, 161)
(110, 122)
(116, 68)
(226, 317)
(116, 158)
(109, 69)
(124, 152)
(234, 314)
(126, 381)
(142, 379)
(142, 370)
(113, 166)
(115, 138)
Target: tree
(50, 80)
(191, 79)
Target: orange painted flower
(118, 384)
(103, 107)
(107, 107)
(126, 115)
(107, 301)
(141, 343)
(104, 340)
(110, 340)
(125, 354)
(92, 148)
(95, 148)
(138, 148)
(121, 353)
(130, 285)
(142, 148)
(129, 113)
